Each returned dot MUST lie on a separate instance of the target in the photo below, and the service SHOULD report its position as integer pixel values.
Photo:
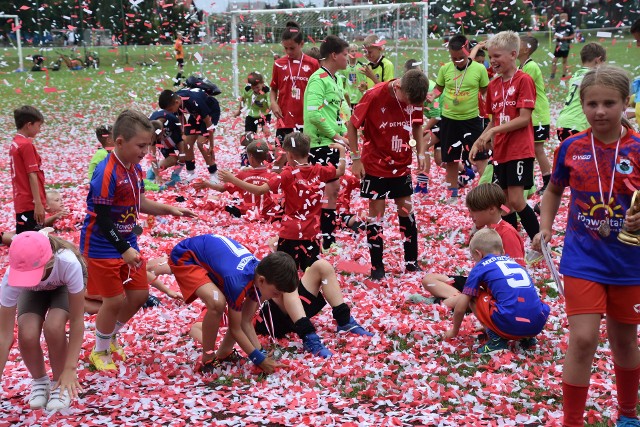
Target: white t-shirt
(67, 271)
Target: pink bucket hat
(28, 254)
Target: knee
(54, 328)
(138, 299)
(584, 345)
(28, 334)
(215, 305)
(623, 345)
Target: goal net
(403, 26)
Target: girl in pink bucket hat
(45, 284)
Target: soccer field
(405, 375)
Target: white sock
(103, 341)
(44, 379)
(118, 328)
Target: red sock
(627, 382)
(574, 400)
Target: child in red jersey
(301, 184)
(391, 117)
(288, 82)
(257, 174)
(510, 100)
(29, 199)
(601, 165)
(108, 239)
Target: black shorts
(324, 156)
(39, 302)
(180, 62)
(25, 221)
(459, 282)
(282, 132)
(561, 53)
(304, 252)
(457, 138)
(485, 122)
(541, 133)
(282, 323)
(564, 133)
(168, 152)
(515, 173)
(251, 123)
(196, 127)
(377, 188)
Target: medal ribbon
(613, 174)
(133, 191)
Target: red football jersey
(290, 78)
(264, 203)
(24, 159)
(512, 241)
(303, 187)
(387, 129)
(518, 92)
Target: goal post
(17, 26)
(402, 25)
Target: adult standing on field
(288, 83)
(179, 59)
(564, 34)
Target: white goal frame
(424, 18)
(18, 38)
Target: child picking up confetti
(45, 285)
(255, 100)
(301, 184)
(485, 204)
(169, 139)
(108, 239)
(258, 174)
(501, 295)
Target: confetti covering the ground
(404, 375)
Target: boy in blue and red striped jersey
(108, 239)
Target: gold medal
(412, 143)
(605, 229)
(455, 101)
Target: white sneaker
(58, 400)
(39, 395)
(214, 178)
(190, 176)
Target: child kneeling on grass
(501, 295)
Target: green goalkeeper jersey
(323, 99)
(572, 116)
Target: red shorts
(190, 277)
(586, 297)
(485, 306)
(107, 277)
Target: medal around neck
(605, 229)
(412, 143)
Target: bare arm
(68, 380)
(458, 315)
(352, 137)
(548, 210)
(275, 108)
(152, 207)
(251, 188)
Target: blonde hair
(58, 244)
(487, 241)
(505, 40)
(370, 40)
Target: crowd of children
(327, 112)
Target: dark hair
(635, 27)
(27, 114)
(485, 196)
(259, 150)
(103, 132)
(481, 53)
(530, 42)
(254, 78)
(297, 143)
(129, 123)
(458, 42)
(332, 44)
(167, 98)
(592, 51)
(415, 85)
(293, 32)
(411, 64)
(279, 269)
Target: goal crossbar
(423, 6)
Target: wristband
(257, 357)
(342, 159)
(355, 157)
